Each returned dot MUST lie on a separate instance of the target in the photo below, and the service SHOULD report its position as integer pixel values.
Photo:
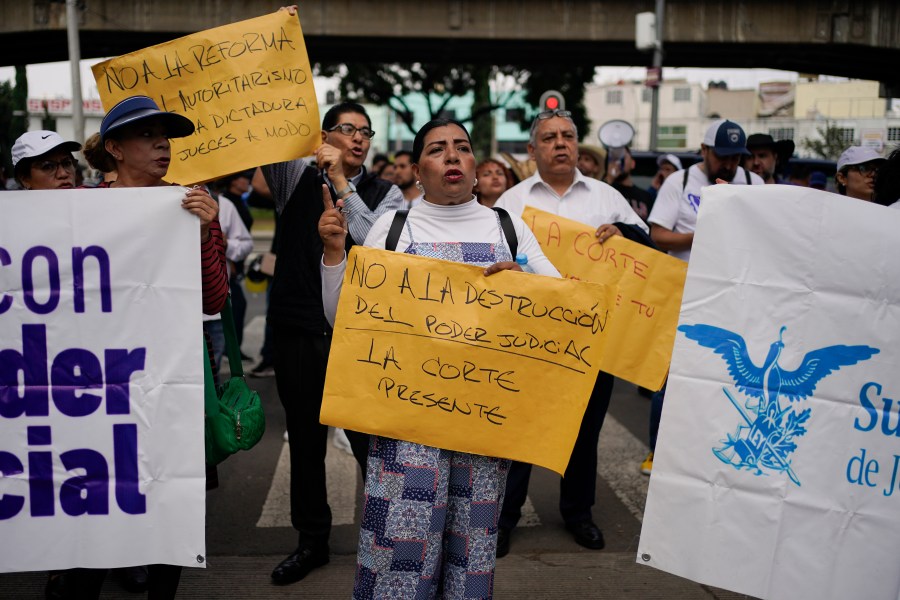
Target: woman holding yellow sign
(436, 532)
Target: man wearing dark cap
(768, 157)
(674, 214)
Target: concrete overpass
(853, 38)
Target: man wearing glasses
(856, 170)
(302, 336)
(560, 188)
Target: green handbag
(235, 419)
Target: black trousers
(238, 306)
(577, 489)
(300, 362)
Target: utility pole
(657, 66)
(75, 66)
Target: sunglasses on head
(554, 113)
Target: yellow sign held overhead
(436, 353)
(642, 330)
(248, 88)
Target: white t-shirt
(677, 204)
(469, 222)
(896, 204)
(587, 201)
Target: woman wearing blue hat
(134, 142)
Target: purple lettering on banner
(128, 497)
(75, 370)
(10, 504)
(120, 364)
(6, 301)
(88, 493)
(78, 256)
(35, 400)
(28, 279)
(40, 484)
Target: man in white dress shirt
(560, 188)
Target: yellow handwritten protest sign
(642, 330)
(434, 352)
(247, 87)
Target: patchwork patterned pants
(429, 527)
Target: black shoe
(134, 579)
(245, 357)
(56, 586)
(299, 564)
(263, 369)
(587, 534)
(503, 541)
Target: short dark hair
(400, 153)
(887, 180)
(331, 117)
(419, 142)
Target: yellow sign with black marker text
(434, 352)
(651, 283)
(248, 88)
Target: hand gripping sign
(434, 352)
(101, 380)
(248, 88)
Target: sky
(53, 80)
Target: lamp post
(74, 64)
(657, 67)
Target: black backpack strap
(747, 175)
(684, 184)
(509, 230)
(396, 229)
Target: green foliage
(831, 143)
(571, 82)
(13, 99)
(390, 84)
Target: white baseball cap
(35, 143)
(857, 155)
(669, 158)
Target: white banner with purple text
(101, 380)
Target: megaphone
(615, 135)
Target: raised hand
(332, 229)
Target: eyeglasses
(554, 113)
(866, 168)
(51, 166)
(349, 130)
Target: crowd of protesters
(449, 198)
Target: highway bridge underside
(848, 60)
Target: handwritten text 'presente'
(434, 352)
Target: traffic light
(552, 100)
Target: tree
(13, 115)
(571, 82)
(831, 143)
(392, 84)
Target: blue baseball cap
(818, 179)
(726, 138)
(135, 108)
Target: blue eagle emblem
(765, 440)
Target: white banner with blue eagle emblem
(777, 468)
